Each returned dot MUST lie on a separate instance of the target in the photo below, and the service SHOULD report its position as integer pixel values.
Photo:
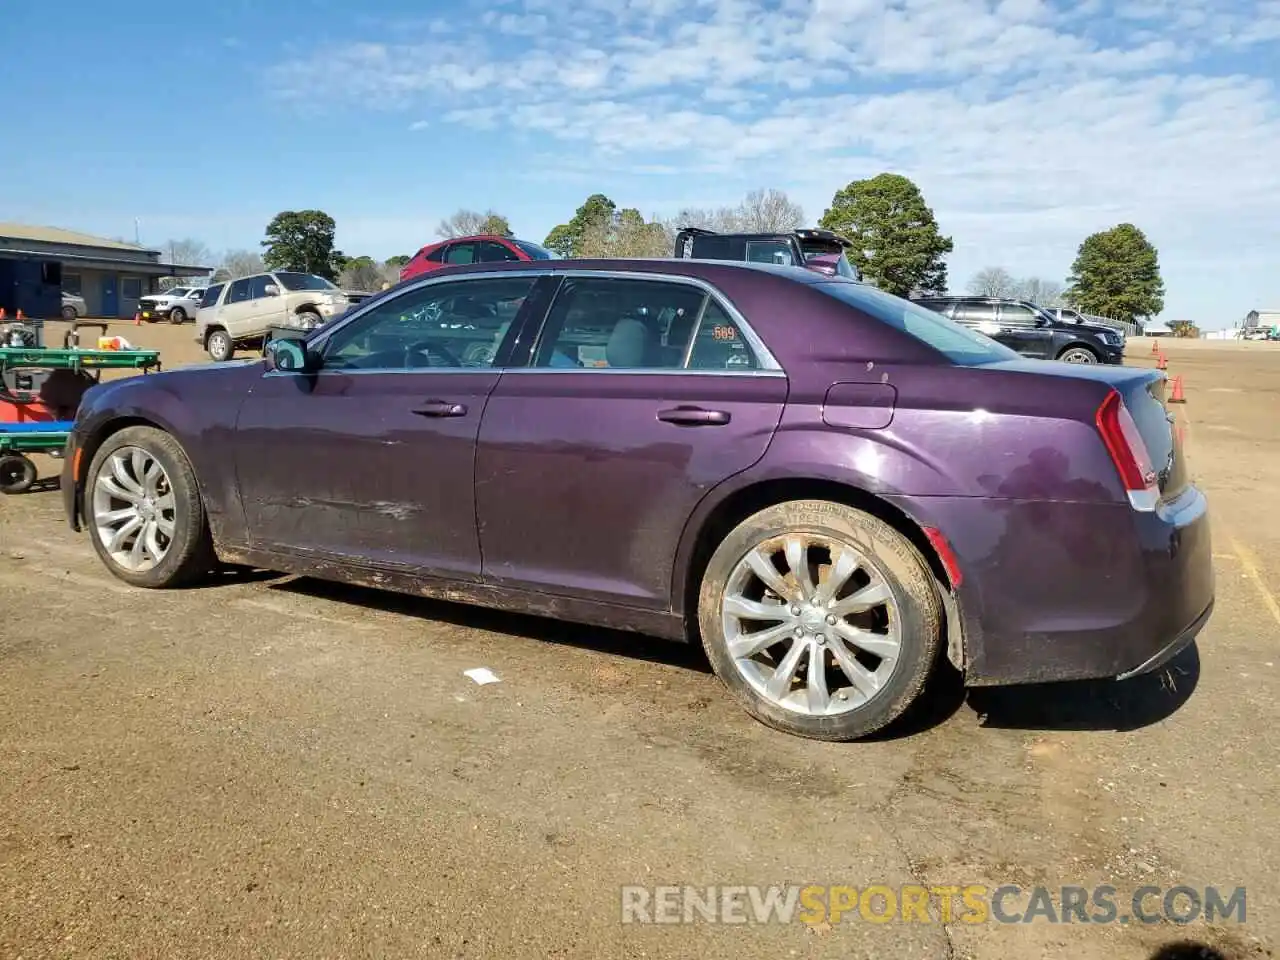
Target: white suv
(243, 312)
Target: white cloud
(1026, 122)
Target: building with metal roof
(38, 264)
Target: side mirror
(272, 290)
(289, 355)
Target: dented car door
(371, 457)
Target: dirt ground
(278, 767)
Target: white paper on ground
(481, 675)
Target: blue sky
(1027, 123)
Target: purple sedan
(831, 488)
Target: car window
(211, 295)
(770, 251)
(178, 292)
(239, 290)
(613, 323)
(953, 340)
(719, 344)
(943, 307)
(435, 256)
(443, 325)
(1016, 315)
(534, 251)
(461, 253)
(258, 286)
(717, 248)
(491, 252)
(975, 313)
(292, 280)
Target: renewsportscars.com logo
(910, 903)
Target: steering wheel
(426, 349)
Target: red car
(479, 249)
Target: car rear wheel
(146, 519)
(177, 315)
(1078, 355)
(219, 345)
(68, 313)
(822, 621)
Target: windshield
(535, 251)
(959, 344)
(304, 281)
(176, 292)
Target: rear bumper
(1075, 591)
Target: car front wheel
(1078, 355)
(821, 620)
(146, 518)
(177, 315)
(219, 345)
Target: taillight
(1128, 451)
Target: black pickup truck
(820, 250)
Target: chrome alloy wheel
(134, 509)
(811, 624)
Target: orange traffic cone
(2, 315)
(20, 315)
(1155, 347)
(1177, 396)
(1162, 362)
(137, 318)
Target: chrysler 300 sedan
(832, 489)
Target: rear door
(643, 392)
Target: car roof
(674, 266)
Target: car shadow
(1072, 705)
(1091, 704)
(1187, 950)
(635, 646)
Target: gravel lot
(278, 767)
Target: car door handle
(694, 416)
(441, 408)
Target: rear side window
(770, 251)
(435, 256)
(959, 344)
(211, 295)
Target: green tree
(1117, 274)
(302, 240)
(896, 242)
(596, 214)
(623, 234)
(399, 260)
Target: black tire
(69, 313)
(17, 473)
(1078, 354)
(895, 560)
(219, 344)
(177, 315)
(190, 557)
(310, 318)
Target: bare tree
(189, 253)
(238, 263)
(1045, 293)
(993, 282)
(625, 234)
(467, 223)
(769, 211)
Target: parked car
(1031, 330)
(244, 312)
(820, 250)
(483, 248)
(833, 488)
(177, 304)
(73, 306)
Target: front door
(110, 295)
(372, 458)
(1023, 330)
(591, 462)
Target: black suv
(1031, 330)
(819, 250)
